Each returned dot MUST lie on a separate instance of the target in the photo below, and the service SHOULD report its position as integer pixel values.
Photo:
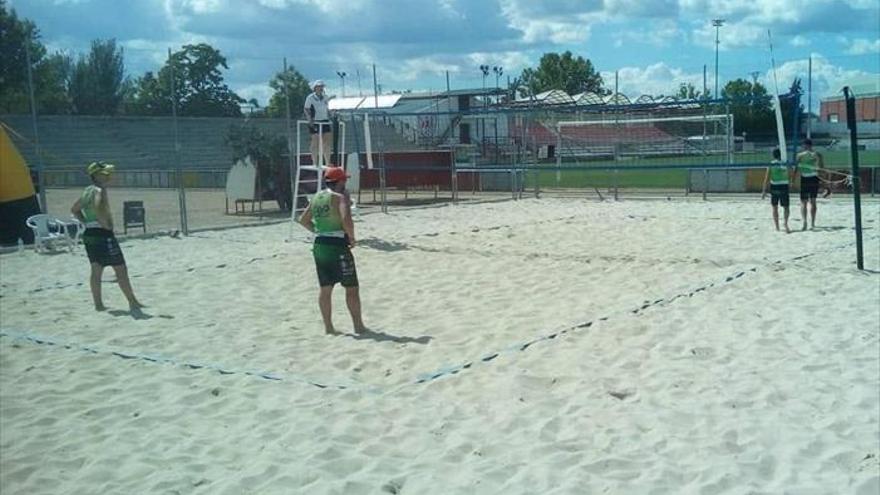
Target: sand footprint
(703, 352)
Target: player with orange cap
(328, 216)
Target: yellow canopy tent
(18, 199)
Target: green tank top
(325, 218)
(87, 204)
(778, 173)
(807, 163)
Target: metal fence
(419, 149)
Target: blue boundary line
(158, 272)
(445, 371)
(188, 364)
(450, 370)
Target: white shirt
(319, 105)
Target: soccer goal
(685, 140)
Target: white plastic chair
(48, 231)
(76, 238)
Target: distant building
(867, 94)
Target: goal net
(660, 140)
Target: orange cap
(335, 174)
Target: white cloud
(655, 79)
(660, 78)
(149, 53)
(747, 22)
(449, 8)
(828, 79)
(799, 41)
(642, 8)
(262, 92)
(413, 69)
(201, 6)
(658, 33)
(512, 62)
(863, 46)
(562, 21)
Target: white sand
(751, 366)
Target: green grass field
(670, 178)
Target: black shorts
(334, 262)
(809, 188)
(102, 247)
(324, 126)
(779, 195)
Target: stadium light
(485, 70)
(342, 76)
(717, 23)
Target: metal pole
(454, 173)
(795, 127)
(375, 88)
(451, 134)
(705, 182)
(705, 130)
(616, 174)
(873, 180)
(717, 23)
(41, 180)
(705, 87)
(293, 174)
(181, 193)
(383, 191)
(856, 182)
(809, 97)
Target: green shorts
(334, 262)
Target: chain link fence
(416, 149)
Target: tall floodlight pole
(342, 76)
(717, 23)
(498, 70)
(485, 70)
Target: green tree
(53, 78)
(98, 83)
(296, 86)
(566, 72)
(14, 34)
(687, 91)
(47, 72)
(267, 151)
(148, 97)
(199, 87)
(751, 108)
(787, 103)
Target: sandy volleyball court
(538, 346)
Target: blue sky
(652, 45)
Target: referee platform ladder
(307, 179)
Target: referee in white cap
(318, 115)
